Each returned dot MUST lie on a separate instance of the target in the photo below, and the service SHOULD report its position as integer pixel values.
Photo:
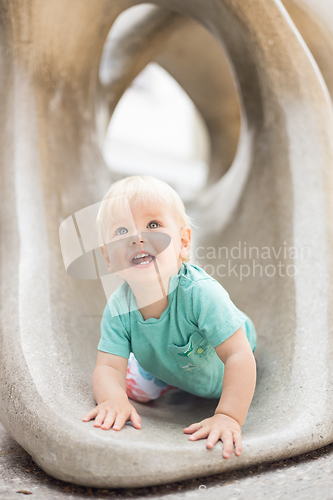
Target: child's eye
(153, 224)
(121, 230)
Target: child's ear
(185, 241)
(106, 257)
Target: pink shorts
(141, 385)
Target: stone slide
(269, 189)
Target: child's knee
(141, 385)
(136, 393)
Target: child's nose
(137, 238)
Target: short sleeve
(115, 338)
(216, 315)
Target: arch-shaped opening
(157, 130)
(208, 127)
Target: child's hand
(219, 426)
(116, 413)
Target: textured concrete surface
(306, 477)
(315, 23)
(276, 194)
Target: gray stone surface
(315, 23)
(306, 477)
(276, 194)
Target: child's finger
(192, 428)
(227, 443)
(136, 419)
(199, 434)
(100, 418)
(109, 419)
(213, 438)
(238, 443)
(90, 415)
(121, 418)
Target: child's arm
(238, 387)
(109, 389)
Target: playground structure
(270, 186)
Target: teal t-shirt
(178, 347)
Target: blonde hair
(139, 188)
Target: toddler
(169, 324)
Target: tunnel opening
(173, 103)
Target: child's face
(146, 229)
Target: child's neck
(154, 310)
(152, 299)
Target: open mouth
(143, 259)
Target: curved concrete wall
(276, 194)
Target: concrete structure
(275, 197)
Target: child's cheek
(168, 258)
(117, 255)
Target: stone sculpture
(276, 194)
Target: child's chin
(148, 275)
(136, 273)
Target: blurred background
(157, 130)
